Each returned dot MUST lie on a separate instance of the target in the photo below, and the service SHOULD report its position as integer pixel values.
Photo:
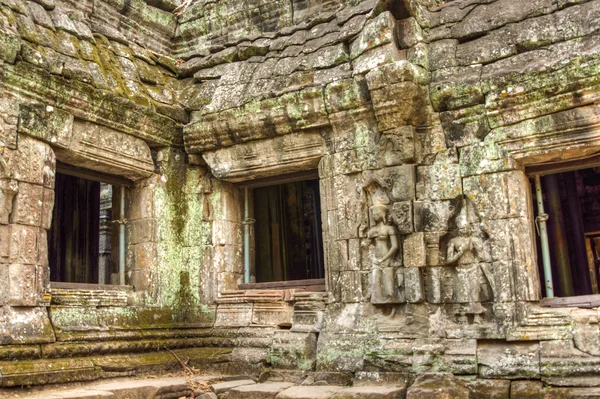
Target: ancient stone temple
(363, 192)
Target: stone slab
(309, 392)
(259, 391)
(222, 387)
(378, 392)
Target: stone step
(239, 388)
(283, 390)
(149, 388)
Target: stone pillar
(104, 260)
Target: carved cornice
(551, 137)
(87, 103)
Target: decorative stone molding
(277, 156)
(565, 135)
(78, 297)
(100, 148)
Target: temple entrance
(287, 231)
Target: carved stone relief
(8, 189)
(468, 251)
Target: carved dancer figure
(383, 236)
(470, 253)
(383, 244)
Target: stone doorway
(287, 232)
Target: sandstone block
(504, 11)
(400, 104)
(46, 123)
(48, 197)
(10, 45)
(259, 391)
(526, 390)
(291, 350)
(465, 126)
(498, 195)
(513, 360)
(223, 387)
(22, 285)
(234, 315)
(348, 94)
(327, 57)
(434, 216)
(35, 162)
(456, 87)
(414, 285)
(442, 53)
(28, 205)
(376, 57)
(438, 182)
(414, 250)
(437, 386)
(4, 280)
(378, 392)
(402, 215)
(489, 389)
(409, 32)
(395, 72)
(399, 146)
(309, 392)
(100, 148)
(23, 245)
(5, 232)
(378, 31)
(8, 189)
(24, 325)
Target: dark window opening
(572, 202)
(287, 232)
(83, 240)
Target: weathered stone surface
(106, 150)
(379, 392)
(309, 392)
(259, 391)
(509, 360)
(437, 386)
(378, 31)
(489, 389)
(222, 387)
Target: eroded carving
(383, 239)
(8, 189)
(468, 250)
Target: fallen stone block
(222, 387)
(309, 392)
(259, 391)
(379, 392)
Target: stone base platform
(426, 386)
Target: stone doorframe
(103, 153)
(566, 137)
(287, 158)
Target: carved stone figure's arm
(4, 170)
(393, 248)
(451, 255)
(483, 251)
(368, 240)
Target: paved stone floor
(203, 387)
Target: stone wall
(420, 117)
